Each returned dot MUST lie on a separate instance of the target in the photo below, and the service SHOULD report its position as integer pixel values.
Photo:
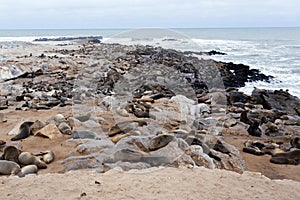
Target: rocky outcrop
(93, 39)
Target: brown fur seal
(47, 156)
(27, 158)
(219, 146)
(253, 150)
(254, 129)
(291, 157)
(11, 153)
(141, 114)
(29, 169)
(295, 142)
(159, 141)
(9, 168)
(24, 131)
(273, 151)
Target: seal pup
(29, 169)
(24, 131)
(27, 158)
(11, 153)
(9, 167)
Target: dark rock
(90, 38)
(236, 75)
(277, 99)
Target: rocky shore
(90, 106)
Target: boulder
(50, 131)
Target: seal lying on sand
(24, 131)
(9, 168)
(47, 156)
(29, 169)
(27, 158)
(11, 153)
(291, 157)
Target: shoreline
(211, 132)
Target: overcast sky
(19, 14)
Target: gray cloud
(145, 13)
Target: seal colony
(15, 162)
(143, 114)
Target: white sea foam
(273, 51)
(19, 39)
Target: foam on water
(274, 51)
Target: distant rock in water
(210, 53)
(277, 99)
(92, 39)
(236, 75)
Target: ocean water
(274, 51)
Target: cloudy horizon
(91, 14)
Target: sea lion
(27, 158)
(24, 131)
(11, 153)
(291, 157)
(9, 168)
(29, 169)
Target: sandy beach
(154, 183)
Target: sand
(154, 183)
